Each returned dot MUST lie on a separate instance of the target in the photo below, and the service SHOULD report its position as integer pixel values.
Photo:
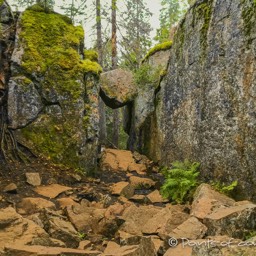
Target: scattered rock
(191, 229)
(235, 221)
(51, 251)
(16, 230)
(64, 231)
(145, 247)
(136, 218)
(116, 160)
(85, 244)
(164, 221)
(206, 200)
(155, 197)
(123, 188)
(31, 205)
(138, 199)
(33, 179)
(85, 219)
(66, 201)
(52, 190)
(138, 182)
(11, 188)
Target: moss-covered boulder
(53, 90)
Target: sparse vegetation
(180, 180)
(224, 188)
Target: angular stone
(164, 221)
(138, 182)
(117, 87)
(136, 218)
(64, 231)
(85, 244)
(11, 188)
(155, 197)
(145, 247)
(234, 221)
(52, 190)
(123, 188)
(116, 160)
(16, 230)
(26, 250)
(66, 201)
(179, 250)
(138, 199)
(85, 219)
(206, 200)
(33, 179)
(32, 205)
(191, 229)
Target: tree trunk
(102, 112)
(115, 137)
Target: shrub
(180, 181)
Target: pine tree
(136, 36)
(170, 14)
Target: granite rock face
(205, 110)
(53, 90)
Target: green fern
(179, 180)
(223, 188)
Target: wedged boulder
(44, 251)
(235, 221)
(206, 200)
(14, 229)
(117, 88)
(145, 247)
(32, 205)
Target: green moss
(91, 55)
(51, 51)
(179, 39)
(204, 11)
(249, 17)
(1, 2)
(159, 47)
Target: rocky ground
(49, 210)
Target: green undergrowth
(147, 75)
(1, 2)
(224, 188)
(180, 181)
(159, 47)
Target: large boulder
(53, 91)
(205, 106)
(117, 88)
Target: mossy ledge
(159, 47)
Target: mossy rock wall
(206, 110)
(53, 91)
